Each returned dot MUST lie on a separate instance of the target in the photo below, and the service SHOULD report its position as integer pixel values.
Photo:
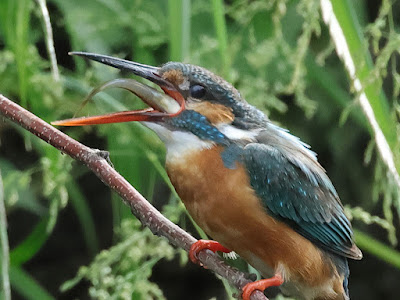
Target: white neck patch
(235, 133)
(178, 143)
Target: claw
(261, 285)
(205, 244)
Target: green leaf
(31, 244)
(26, 286)
(344, 12)
(377, 248)
(85, 217)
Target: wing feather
(295, 189)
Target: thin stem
(5, 250)
(49, 39)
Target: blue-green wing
(294, 188)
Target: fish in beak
(161, 105)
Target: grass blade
(32, 244)
(376, 248)
(85, 218)
(350, 45)
(5, 292)
(21, 48)
(179, 29)
(222, 35)
(26, 286)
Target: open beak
(162, 105)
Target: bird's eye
(197, 91)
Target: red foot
(261, 285)
(205, 244)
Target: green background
(279, 54)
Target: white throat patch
(178, 143)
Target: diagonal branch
(140, 207)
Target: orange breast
(223, 203)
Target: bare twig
(140, 207)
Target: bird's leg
(261, 285)
(205, 244)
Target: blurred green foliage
(277, 53)
(123, 271)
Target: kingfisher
(253, 187)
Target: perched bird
(249, 184)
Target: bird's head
(195, 105)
